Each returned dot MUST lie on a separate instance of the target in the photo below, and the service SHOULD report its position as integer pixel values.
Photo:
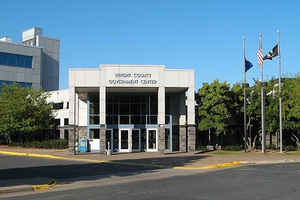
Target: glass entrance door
(136, 139)
(124, 140)
(152, 140)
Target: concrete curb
(27, 188)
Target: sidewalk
(195, 159)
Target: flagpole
(279, 77)
(262, 102)
(245, 115)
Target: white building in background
(33, 63)
(129, 108)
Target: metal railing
(135, 119)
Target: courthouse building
(129, 108)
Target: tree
(214, 106)
(23, 110)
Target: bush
(233, 148)
(47, 144)
(201, 148)
(271, 146)
(290, 148)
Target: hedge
(46, 144)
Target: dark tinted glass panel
(22, 84)
(57, 106)
(66, 121)
(15, 60)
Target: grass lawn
(222, 152)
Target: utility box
(82, 144)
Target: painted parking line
(51, 157)
(37, 188)
(47, 156)
(216, 166)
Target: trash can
(82, 144)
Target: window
(66, 121)
(66, 134)
(57, 106)
(15, 60)
(22, 84)
(67, 105)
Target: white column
(161, 105)
(72, 104)
(102, 104)
(182, 111)
(190, 102)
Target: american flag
(260, 57)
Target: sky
(203, 35)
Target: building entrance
(152, 140)
(136, 140)
(124, 144)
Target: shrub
(46, 144)
(201, 148)
(233, 148)
(290, 148)
(271, 146)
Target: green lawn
(222, 152)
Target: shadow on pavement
(68, 172)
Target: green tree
(23, 110)
(214, 106)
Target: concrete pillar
(190, 103)
(191, 138)
(161, 138)
(102, 133)
(71, 140)
(182, 139)
(130, 140)
(102, 105)
(161, 105)
(61, 133)
(72, 103)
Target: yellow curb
(43, 187)
(50, 157)
(221, 165)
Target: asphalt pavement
(276, 182)
(15, 170)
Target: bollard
(108, 152)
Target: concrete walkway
(196, 159)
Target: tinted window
(22, 84)
(57, 106)
(15, 60)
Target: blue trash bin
(82, 144)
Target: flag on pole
(273, 53)
(248, 65)
(260, 57)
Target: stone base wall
(191, 138)
(102, 138)
(182, 139)
(161, 138)
(80, 132)
(71, 140)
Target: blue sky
(198, 34)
